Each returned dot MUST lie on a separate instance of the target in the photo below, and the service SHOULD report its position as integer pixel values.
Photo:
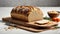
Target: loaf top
(24, 10)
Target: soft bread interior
(42, 21)
(35, 15)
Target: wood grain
(25, 25)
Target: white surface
(5, 11)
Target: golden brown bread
(27, 13)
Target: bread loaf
(27, 13)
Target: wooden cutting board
(26, 25)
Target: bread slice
(42, 22)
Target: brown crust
(24, 10)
